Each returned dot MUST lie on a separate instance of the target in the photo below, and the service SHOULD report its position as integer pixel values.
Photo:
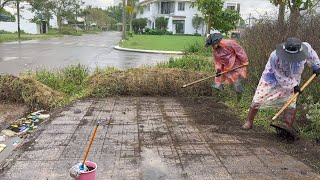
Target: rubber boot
(250, 118)
(289, 117)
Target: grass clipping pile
(133, 82)
(148, 81)
(29, 91)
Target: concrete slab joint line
(117, 47)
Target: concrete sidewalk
(146, 138)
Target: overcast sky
(256, 8)
(99, 3)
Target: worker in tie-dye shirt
(228, 54)
(281, 79)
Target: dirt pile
(148, 81)
(28, 91)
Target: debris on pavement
(15, 143)
(2, 138)
(2, 147)
(28, 124)
(8, 132)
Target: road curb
(117, 47)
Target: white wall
(188, 13)
(30, 28)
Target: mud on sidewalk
(154, 138)
(10, 112)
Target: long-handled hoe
(289, 134)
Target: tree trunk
(18, 19)
(59, 19)
(48, 21)
(131, 18)
(124, 19)
(282, 9)
(209, 25)
(294, 20)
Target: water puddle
(153, 166)
(23, 42)
(11, 143)
(11, 58)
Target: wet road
(94, 50)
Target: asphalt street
(93, 50)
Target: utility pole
(250, 20)
(18, 19)
(124, 23)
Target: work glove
(218, 73)
(317, 72)
(297, 89)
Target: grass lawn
(14, 37)
(160, 42)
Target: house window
(181, 6)
(234, 6)
(231, 7)
(167, 7)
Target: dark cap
(213, 39)
(292, 50)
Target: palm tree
(132, 8)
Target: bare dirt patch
(209, 111)
(11, 111)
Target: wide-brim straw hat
(293, 50)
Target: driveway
(150, 138)
(93, 50)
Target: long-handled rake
(200, 80)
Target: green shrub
(198, 48)
(313, 115)
(158, 32)
(5, 32)
(68, 80)
(190, 62)
(67, 30)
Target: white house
(179, 12)
(25, 16)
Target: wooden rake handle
(92, 138)
(294, 96)
(200, 80)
